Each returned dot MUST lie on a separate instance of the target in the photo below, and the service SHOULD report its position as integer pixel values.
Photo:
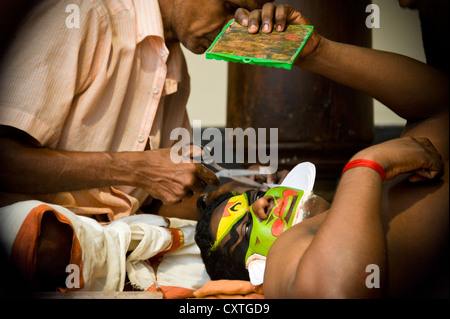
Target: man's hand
(30, 169)
(406, 155)
(276, 17)
(169, 182)
(275, 178)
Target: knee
(54, 245)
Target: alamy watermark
(73, 19)
(249, 146)
(73, 279)
(373, 280)
(373, 20)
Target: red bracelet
(366, 163)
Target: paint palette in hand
(275, 49)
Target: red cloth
(172, 292)
(230, 289)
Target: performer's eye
(258, 195)
(248, 227)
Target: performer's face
(250, 223)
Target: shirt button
(141, 139)
(162, 53)
(155, 90)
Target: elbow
(330, 288)
(331, 293)
(302, 291)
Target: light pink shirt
(110, 85)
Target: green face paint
(262, 233)
(280, 218)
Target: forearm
(350, 239)
(187, 209)
(410, 88)
(33, 170)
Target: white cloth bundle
(104, 248)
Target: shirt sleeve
(47, 65)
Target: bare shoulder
(284, 255)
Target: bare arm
(332, 262)
(401, 83)
(410, 88)
(29, 169)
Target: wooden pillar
(318, 120)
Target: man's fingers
(192, 153)
(422, 175)
(198, 186)
(433, 167)
(254, 21)
(280, 17)
(241, 16)
(271, 16)
(267, 14)
(207, 176)
(431, 148)
(427, 143)
(285, 14)
(169, 196)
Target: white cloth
(104, 249)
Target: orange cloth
(214, 289)
(172, 292)
(111, 85)
(24, 250)
(229, 289)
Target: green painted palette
(276, 49)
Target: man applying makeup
(389, 210)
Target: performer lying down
(390, 211)
(239, 233)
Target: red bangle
(365, 163)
